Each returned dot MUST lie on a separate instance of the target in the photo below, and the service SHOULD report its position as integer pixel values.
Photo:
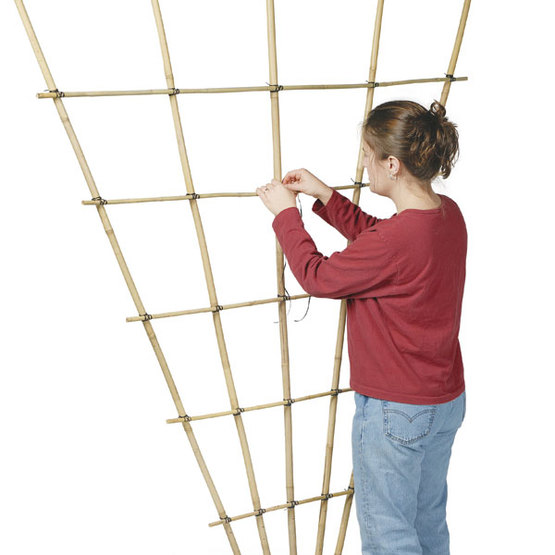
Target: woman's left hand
(276, 196)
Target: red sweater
(403, 281)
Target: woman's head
(404, 133)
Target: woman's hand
(276, 197)
(303, 181)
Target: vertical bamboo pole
(345, 518)
(123, 266)
(210, 279)
(282, 314)
(456, 50)
(343, 310)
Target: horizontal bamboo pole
(290, 505)
(56, 93)
(189, 196)
(147, 316)
(187, 418)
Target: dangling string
(287, 296)
(283, 280)
(307, 306)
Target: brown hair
(424, 140)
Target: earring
(391, 176)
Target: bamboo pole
(146, 316)
(189, 196)
(209, 279)
(288, 505)
(188, 418)
(343, 307)
(280, 267)
(345, 518)
(58, 103)
(53, 93)
(455, 54)
(445, 92)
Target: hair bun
(438, 111)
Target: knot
(174, 91)
(102, 201)
(278, 87)
(226, 518)
(260, 512)
(147, 316)
(292, 504)
(373, 83)
(335, 392)
(238, 410)
(218, 307)
(194, 196)
(288, 402)
(357, 183)
(185, 417)
(58, 93)
(450, 77)
(327, 495)
(285, 297)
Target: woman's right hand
(303, 181)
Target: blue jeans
(401, 455)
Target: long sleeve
(343, 214)
(366, 268)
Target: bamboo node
(185, 417)
(238, 411)
(194, 196)
(174, 91)
(260, 512)
(450, 76)
(292, 504)
(100, 200)
(147, 316)
(288, 402)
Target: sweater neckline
(424, 210)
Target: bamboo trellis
(236, 410)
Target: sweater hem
(404, 398)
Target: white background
(88, 463)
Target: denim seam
(364, 479)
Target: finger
(293, 176)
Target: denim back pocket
(405, 422)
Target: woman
(402, 278)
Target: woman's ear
(393, 164)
